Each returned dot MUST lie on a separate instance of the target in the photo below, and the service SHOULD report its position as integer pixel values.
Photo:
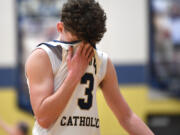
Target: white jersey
(80, 116)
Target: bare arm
(7, 128)
(129, 120)
(46, 104)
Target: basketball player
(63, 76)
(21, 128)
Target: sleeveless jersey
(80, 116)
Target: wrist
(74, 77)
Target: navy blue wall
(127, 74)
(7, 77)
(131, 74)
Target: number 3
(88, 91)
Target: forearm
(5, 127)
(52, 106)
(135, 126)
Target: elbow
(45, 119)
(44, 122)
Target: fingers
(89, 50)
(85, 49)
(70, 53)
(80, 48)
(90, 55)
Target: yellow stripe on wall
(9, 111)
(138, 100)
(136, 96)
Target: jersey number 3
(88, 91)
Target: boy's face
(64, 34)
(69, 36)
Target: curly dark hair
(85, 19)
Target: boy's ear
(60, 26)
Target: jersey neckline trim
(70, 43)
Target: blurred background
(142, 39)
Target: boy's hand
(77, 63)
